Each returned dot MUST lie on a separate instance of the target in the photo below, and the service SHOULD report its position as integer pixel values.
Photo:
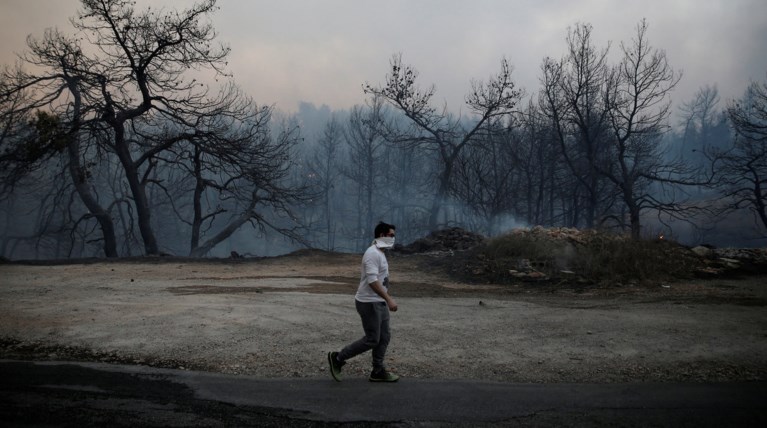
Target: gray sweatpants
(375, 322)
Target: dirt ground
(278, 317)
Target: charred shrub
(569, 255)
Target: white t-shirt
(374, 268)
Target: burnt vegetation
(126, 135)
(571, 257)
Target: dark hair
(383, 229)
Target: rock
(524, 265)
(702, 251)
(730, 263)
(708, 270)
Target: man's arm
(381, 291)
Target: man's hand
(392, 305)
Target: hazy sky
(322, 51)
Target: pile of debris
(567, 234)
(702, 260)
(563, 241)
(445, 240)
(569, 255)
(731, 260)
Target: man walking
(373, 304)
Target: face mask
(384, 242)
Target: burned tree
(638, 109)
(743, 168)
(573, 99)
(239, 165)
(439, 131)
(324, 167)
(366, 145)
(127, 100)
(61, 97)
(141, 67)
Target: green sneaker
(335, 365)
(382, 376)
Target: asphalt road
(92, 394)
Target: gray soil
(278, 317)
